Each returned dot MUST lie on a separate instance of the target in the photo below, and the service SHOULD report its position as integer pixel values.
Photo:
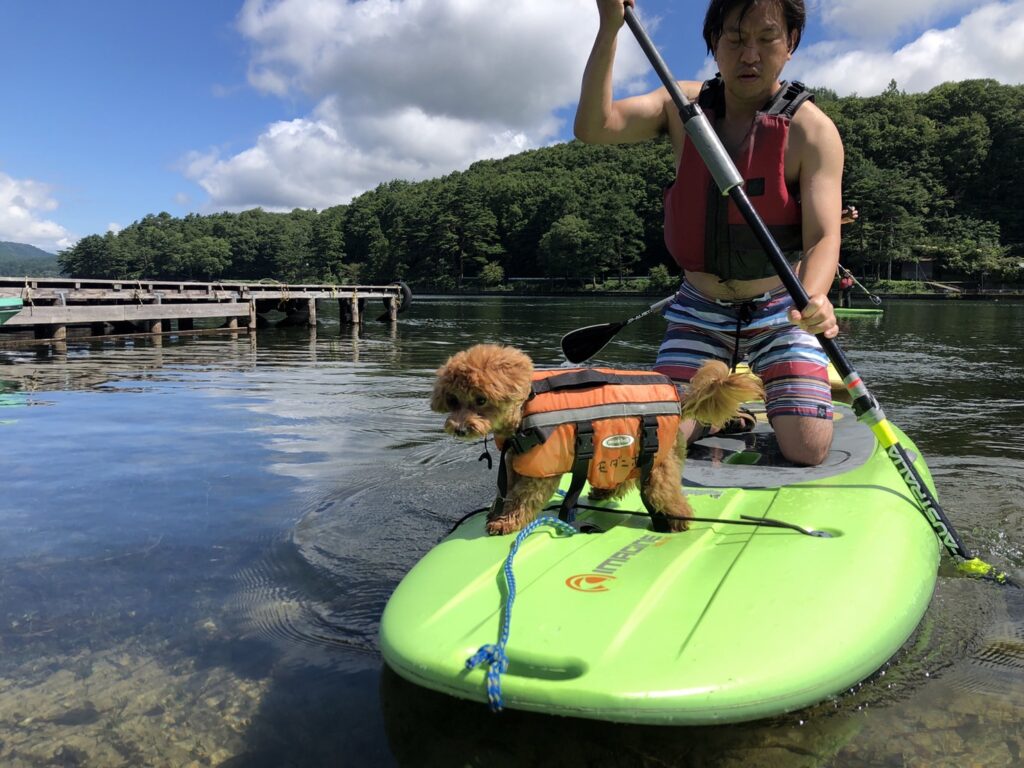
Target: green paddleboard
(721, 623)
(856, 311)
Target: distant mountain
(23, 251)
(17, 259)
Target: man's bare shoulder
(812, 126)
(691, 88)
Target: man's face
(752, 52)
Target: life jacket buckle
(527, 439)
(584, 440)
(649, 435)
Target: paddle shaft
(656, 307)
(700, 131)
(874, 299)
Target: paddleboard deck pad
(725, 622)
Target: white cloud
(987, 43)
(404, 89)
(884, 19)
(23, 205)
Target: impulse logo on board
(596, 581)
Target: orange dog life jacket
(603, 425)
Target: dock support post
(311, 313)
(53, 332)
(252, 314)
(352, 309)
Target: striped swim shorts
(790, 361)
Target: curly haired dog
(483, 390)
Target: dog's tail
(715, 394)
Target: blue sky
(114, 109)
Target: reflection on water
(197, 539)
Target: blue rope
(494, 654)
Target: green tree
(566, 249)
(205, 258)
(92, 256)
(492, 275)
(327, 245)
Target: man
(731, 303)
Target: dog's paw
(677, 524)
(499, 526)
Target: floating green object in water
(857, 311)
(9, 307)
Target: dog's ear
(439, 397)
(503, 374)
(444, 382)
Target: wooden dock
(96, 308)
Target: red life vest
(613, 420)
(704, 231)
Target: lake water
(197, 539)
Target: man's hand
(613, 12)
(818, 317)
(848, 215)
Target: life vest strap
(590, 377)
(498, 506)
(789, 98)
(537, 427)
(580, 465)
(645, 462)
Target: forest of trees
(934, 176)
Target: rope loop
(494, 654)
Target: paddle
(584, 343)
(876, 300)
(727, 177)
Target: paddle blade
(584, 343)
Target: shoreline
(986, 296)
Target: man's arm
(600, 119)
(821, 176)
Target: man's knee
(810, 455)
(803, 440)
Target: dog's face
(482, 389)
